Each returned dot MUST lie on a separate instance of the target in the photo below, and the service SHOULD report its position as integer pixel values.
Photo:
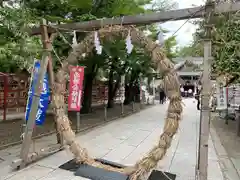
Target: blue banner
(44, 97)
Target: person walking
(190, 93)
(161, 96)
(182, 91)
(197, 97)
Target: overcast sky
(184, 35)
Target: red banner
(75, 88)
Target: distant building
(189, 71)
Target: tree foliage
(225, 43)
(18, 49)
(193, 49)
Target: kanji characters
(76, 77)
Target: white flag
(160, 38)
(129, 45)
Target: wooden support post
(205, 116)
(205, 109)
(32, 116)
(47, 45)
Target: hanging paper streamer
(44, 97)
(129, 45)
(97, 43)
(160, 38)
(74, 40)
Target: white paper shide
(74, 39)
(97, 43)
(129, 45)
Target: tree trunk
(112, 89)
(87, 94)
(128, 93)
(137, 93)
(87, 98)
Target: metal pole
(199, 142)
(5, 96)
(105, 111)
(122, 109)
(238, 121)
(133, 108)
(226, 111)
(141, 93)
(205, 109)
(78, 122)
(122, 93)
(105, 104)
(32, 116)
(154, 93)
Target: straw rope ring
(171, 86)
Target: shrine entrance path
(127, 140)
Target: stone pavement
(127, 140)
(229, 153)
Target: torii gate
(181, 14)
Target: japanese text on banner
(75, 88)
(44, 97)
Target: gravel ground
(10, 131)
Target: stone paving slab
(126, 141)
(228, 166)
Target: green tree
(225, 40)
(169, 47)
(194, 50)
(18, 50)
(58, 11)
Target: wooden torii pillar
(205, 109)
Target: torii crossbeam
(141, 19)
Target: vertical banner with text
(44, 97)
(222, 101)
(75, 88)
